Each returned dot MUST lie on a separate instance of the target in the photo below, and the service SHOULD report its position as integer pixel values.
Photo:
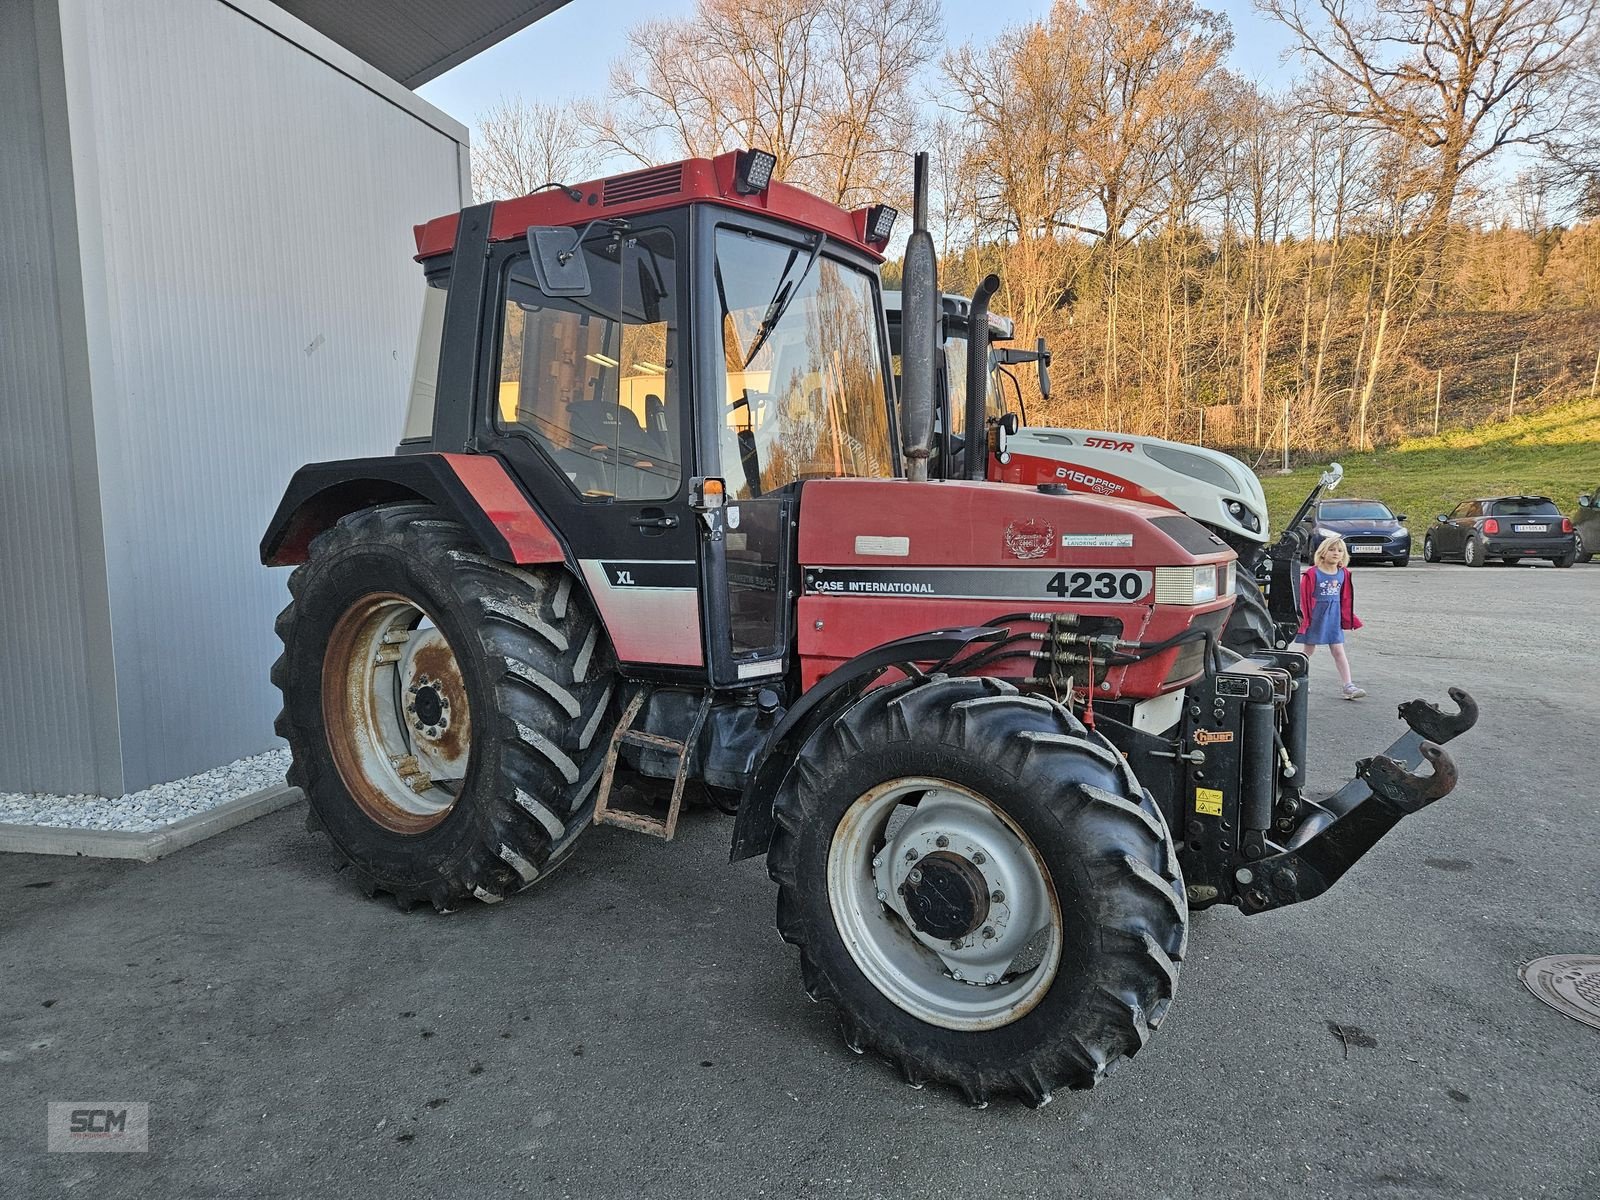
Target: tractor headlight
(1193, 585)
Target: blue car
(1371, 531)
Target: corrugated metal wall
(59, 729)
(245, 213)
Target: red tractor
(654, 524)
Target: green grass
(1554, 452)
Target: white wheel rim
(970, 982)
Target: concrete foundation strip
(152, 844)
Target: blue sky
(569, 53)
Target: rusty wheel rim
(394, 704)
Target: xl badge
(1029, 538)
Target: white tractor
(1211, 487)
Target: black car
(1503, 527)
(1371, 531)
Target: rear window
(1524, 507)
(1356, 510)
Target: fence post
(1438, 390)
(1594, 380)
(1511, 408)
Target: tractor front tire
(980, 886)
(447, 713)
(1250, 628)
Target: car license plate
(1532, 528)
(1366, 549)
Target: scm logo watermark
(116, 1126)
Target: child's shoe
(1352, 692)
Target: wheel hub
(429, 709)
(946, 896)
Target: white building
(205, 280)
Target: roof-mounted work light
(752, 171)
(880, 223)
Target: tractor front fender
(475, 489)
(837, 691)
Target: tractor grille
(643, 185)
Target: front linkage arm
(1339, 830)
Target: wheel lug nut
(997, 896)
(911, 856)
(941, 841)
(980, 858)
(915, 876)
(988, 931)
(989, 978)
(955, 944)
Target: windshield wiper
(779, 304)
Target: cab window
(802, 383)
(593, 380)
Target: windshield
(1524, 507)
(802, 380)
(1355, 510)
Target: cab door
(587, 402)
(794, 387)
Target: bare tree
(522, 146)
(826, 85)
(1456, 79)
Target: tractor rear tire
(1250, 628)
(448, 713)
(1039, 789)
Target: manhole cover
(1568, 983)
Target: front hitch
(1428, 722)
(1334, 833)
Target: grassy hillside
(1555, 453)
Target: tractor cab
(657, 345)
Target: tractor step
(627, 735)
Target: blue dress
(1326, 629)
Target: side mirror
(1585, 501)
(559, 266)
(1442, 518)
(1044, 369)
(1401, 517)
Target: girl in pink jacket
(1328, 608)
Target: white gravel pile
(154, 807)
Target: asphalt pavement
(634, 1028)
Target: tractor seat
(610, 452)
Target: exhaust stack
(975, 454)
(919, 331)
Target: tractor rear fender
(475, 489)
(835, 692)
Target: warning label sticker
(1208, 801)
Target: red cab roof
(694, 180)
